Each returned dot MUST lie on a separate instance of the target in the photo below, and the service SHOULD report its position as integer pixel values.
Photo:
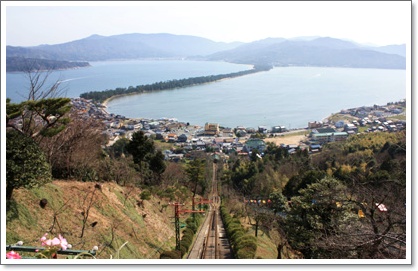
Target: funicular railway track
(210, 245)
(211, 241)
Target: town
(242, 140)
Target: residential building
(315, 124)
(350, 127)
(329, 137)
(182, 138)
(254, 143)
(211, 128)
(278, 129)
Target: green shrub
(145, 195)
(186, 241)
(183, 249)
(188, 231)
(236, 235)
(174, 254)
(244, 246)
(245, 253)
(245, 242)
(232, 228)
(193, 227)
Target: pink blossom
(13, 255)
(53, 242)
(60, 241)
(43, 239)
(63, 242)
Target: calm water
(113, 74)
(289, 96)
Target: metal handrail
(39, 249)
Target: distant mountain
(324, 52)
(392, 49)
(14, 64)
(126, 46)
(303, 51)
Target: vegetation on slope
(116, 215)
(346, 202)
(23, 64)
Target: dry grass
(119, 219)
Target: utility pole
(177, 212)
(202, 201)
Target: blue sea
(286, 96)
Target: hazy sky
(375, 22)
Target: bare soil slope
(111, 215)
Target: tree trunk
(279, 251)
(9, 192)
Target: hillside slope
(118, 218)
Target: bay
(285, 96)
(105, 75)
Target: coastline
(184, 83)
(327, 120)
(105, 102)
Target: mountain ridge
(320, 51)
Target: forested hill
(21, 64)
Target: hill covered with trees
(21, 64)
(346, 202)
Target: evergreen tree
(157, 166)
(26, 165)
(196, 173)
(141, 148)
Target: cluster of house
(375, 118)
(378, 111)
(183, 135)
(212, 137)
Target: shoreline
(184, 84)
(325, 120)
(105, 102)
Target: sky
(367, 22)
